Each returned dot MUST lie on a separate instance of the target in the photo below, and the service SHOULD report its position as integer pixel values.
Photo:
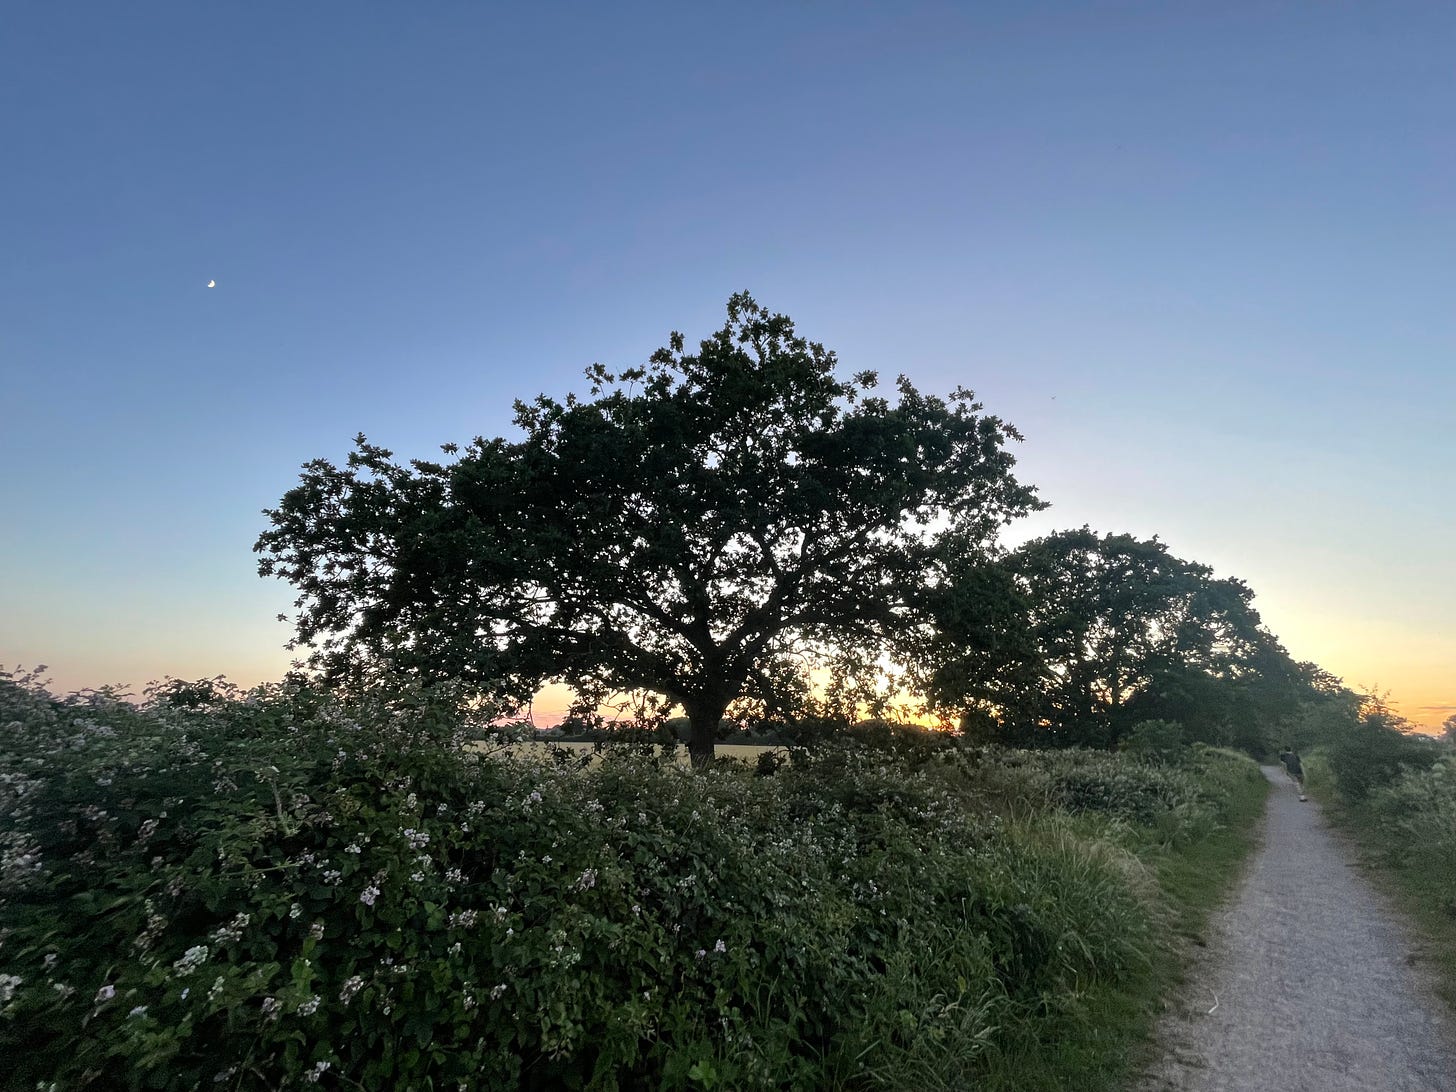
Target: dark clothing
(1292, 764)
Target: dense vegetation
(246, 890)
(690, 531)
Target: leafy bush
(1157, 741)
(242, 891)
(1421, 805)
(1370, 754)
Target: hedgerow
(277, 888)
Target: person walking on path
(1294, 768)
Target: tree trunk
(703, 719)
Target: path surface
(1311, 974)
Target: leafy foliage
(1157, 740)
(242, 890)
(1420, 805)
(1369, 752)
(1074, 638)
(693, 529)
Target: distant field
(542, 749)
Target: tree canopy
(1091, 633)
(707, 527)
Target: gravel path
(1310, 978)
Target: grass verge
(1099, 1044)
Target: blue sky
(1198, 253)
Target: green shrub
(1371, 754)
(241, 891)
(1421, 806)
(1157, 741)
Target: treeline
(1092, 634)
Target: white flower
(417, 877)
(586, 881)
(296, 910)
(140, 1010)
(191, 959)
(8, 983)
(316, 930)
(497, 992)
(351, 987)
(319, 1069)
(369, 894)
(720, 947)
(309, 1007)
(104, 994)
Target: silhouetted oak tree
(1094, 632)
(689, 529)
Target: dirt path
(1310, 981)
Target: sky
(1199, 254)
